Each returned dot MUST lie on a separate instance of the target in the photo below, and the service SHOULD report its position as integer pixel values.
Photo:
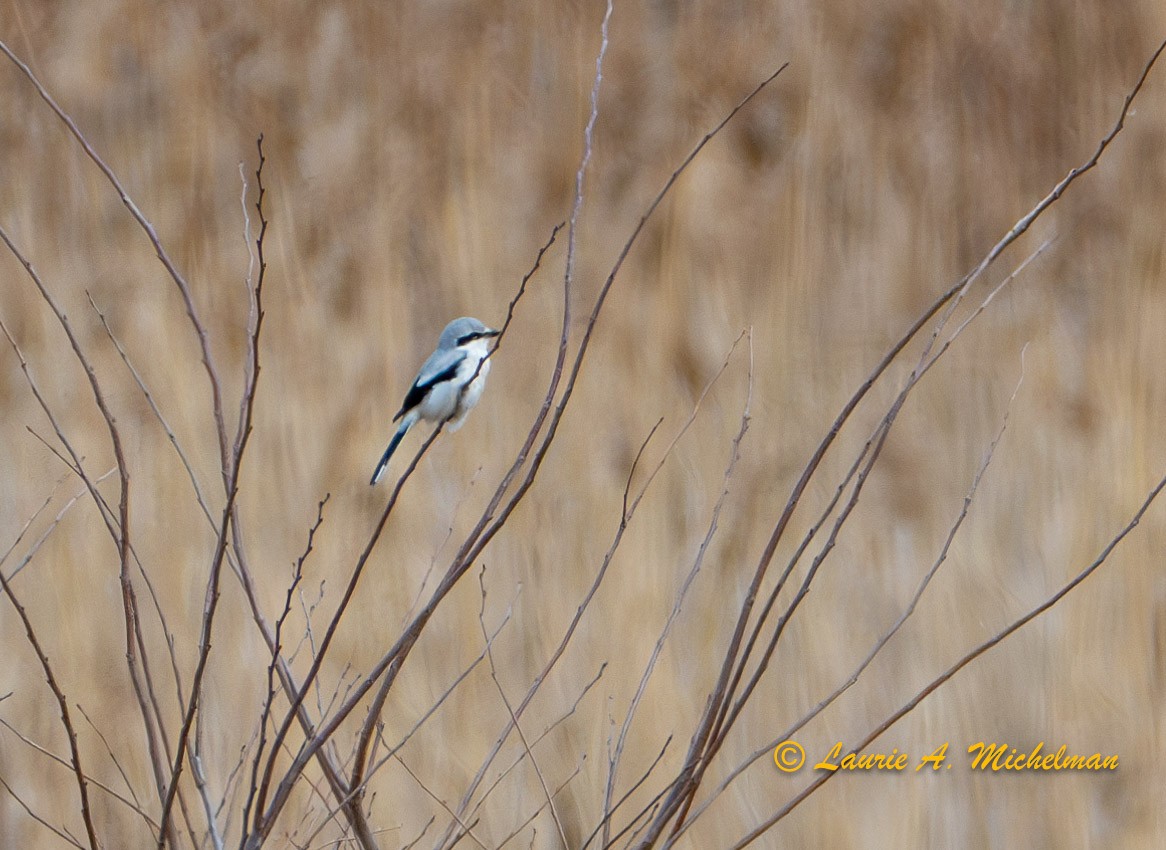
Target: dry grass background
(419, 153)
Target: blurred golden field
(418, 156)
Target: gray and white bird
(448, 385)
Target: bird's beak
(491, 332)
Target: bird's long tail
(393, 443)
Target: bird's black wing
(426, 381)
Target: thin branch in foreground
(461, 500)
(153, 403)
(699, 756)
(420, 835)
(858, 473)
(269, 697)
(868, 457)
(879, 644)
(137, 665)
(137, 804)
(961, 663)
(73, 466)
(132, 804)
(396, 748)
(628, 512)
(159, 250)
(28, 810)
(551, 727)
(231, 472)
(682, 593)
(467, 829)
(28, 524)
(62, 705)
(584, 161)
(263, 819)
(510, 709)
(235, 563)
(118, 530)
(40, 541)
(230, 784)
(548, 802)
(611, 810)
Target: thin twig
(627, 514)
(269, 698)
(733, 667)
(372, 771)
(858, 473)
(734, 456)
(878, 646)
(40, 541)
(152, 235)
(231, 476)
(467, 828)
(551, 727)
(421, 834)
(609, 811)
(510, 710)
(62, 705)
(547, 802)
(971, 656)
(133, 804)
(28, 810)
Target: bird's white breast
(470, 391)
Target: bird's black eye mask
(470, 337)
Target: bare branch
(62, 705)
(717, 708)
(550, 728)
(609, 811)
(862, 466)
(137, 804)
(28, 523)
(122, 536)
(466, 828)
(626, 517)
(421, 834)
(231, 476)
(40, 541)
(878, 646)
(133, 804)
(28, 810)
(152, 402)
(269, 698)
(316, 742)
(734, 456)
(549, 802)
(152, 235)
(510, 709)
(971, 656)
(372, 771)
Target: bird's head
(463, 331)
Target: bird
(448, 385)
